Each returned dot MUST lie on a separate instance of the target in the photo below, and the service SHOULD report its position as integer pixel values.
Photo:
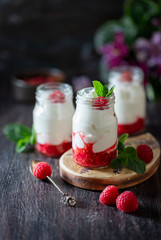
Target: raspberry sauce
(87, 158)
(132, 128)
(50, 150)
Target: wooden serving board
(98, 179)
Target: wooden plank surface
(31, 209)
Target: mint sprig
(20, 134)
(102, 91)
(127, 157)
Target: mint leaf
(115, 163)
(15, 131)
(98, 88)
(131, 152)
(124, 160)
(123, 137)
(110, 91)
(120, 147)
(137, 165)
(127, 157)
(22, 144)
(33, 137)
(102, 91)
(20, 134)
(105, 90)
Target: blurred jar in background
(52, 118)
(130, 99)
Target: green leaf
(15, 131)
(22, 144)
(137, 165)
(33, 137)
(98, 88)
(124, 160)
(123, 137)
(120, 147)
(105, 90)
(115, 163)
(141, 11)
(110, 91)
(131, 152)
(106, 32)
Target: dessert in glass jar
(94, 138)
(130, 100)
(52, 118)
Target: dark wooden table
(31, 209)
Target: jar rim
(116, 73)
(83, 98)
(48, 88)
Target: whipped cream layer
(53, 122)
(130, 102)
(96, 126)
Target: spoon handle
(55, 185)
(66, 198)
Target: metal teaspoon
(66, 197)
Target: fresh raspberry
(127, 202)
(126, 76)
(145, 153)
(57, 96)
(100, 102)
(41, 170)
(109, 195)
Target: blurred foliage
(138, 21)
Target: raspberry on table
(41, 170)
(109, 195)
(127, 202)
(57, 96)
(145, 153)
(100, 102)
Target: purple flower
(115, 52)
(142, 49)
(156, 38)
(155, 58)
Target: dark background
(53, 33)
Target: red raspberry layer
(87, 158)
(50, 150)
(132, 128)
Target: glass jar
(94, 138)
(130, 100)
(52, 118)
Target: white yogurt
(96, 126)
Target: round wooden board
(98, 179)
